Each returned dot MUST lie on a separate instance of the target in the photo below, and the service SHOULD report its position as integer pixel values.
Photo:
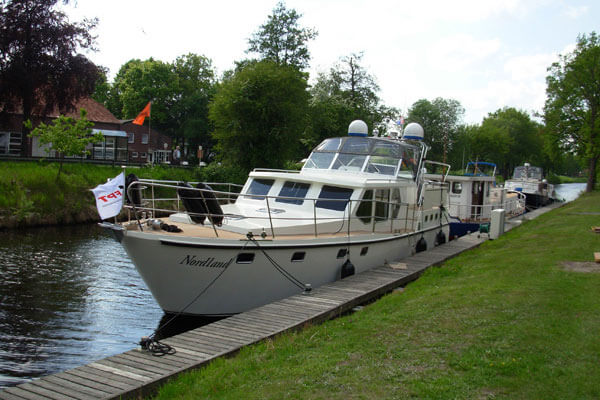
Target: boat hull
(203, 277)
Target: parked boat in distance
(358, 202)
(473, 196)
(530, 181)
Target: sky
(485, 54)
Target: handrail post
(349, 215)
(270, 219)
(315, 216)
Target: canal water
(70, 296)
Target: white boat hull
(203, 277)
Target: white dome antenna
(358, 128)
(413, 131)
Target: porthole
(364, 251)
(342, 253)
(245, 258)
(298, 256)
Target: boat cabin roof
(527, 172)
(370, 155)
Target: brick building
(123, 141)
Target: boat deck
(207, 231)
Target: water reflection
(569, 191)
(70, 296)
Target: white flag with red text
(109, 196)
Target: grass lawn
(505, 320)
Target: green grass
(28, 188)
(570, 179)
(504, 320)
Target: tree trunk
(591, 182)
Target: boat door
(477, 190)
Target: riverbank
(30, 194)
(515, 318)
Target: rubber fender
(347, 269)
(214, 208)
(192, 201)
(421, 245)
(440, 238)
(136, 191)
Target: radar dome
(413, 131)
(358, 128)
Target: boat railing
(482, 213)
(384, 216)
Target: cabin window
(487, 194)
(364, 251)
(382, 165)
(342, 253)
(395, 203)
(456, 187)
(365, 208)
(387, 148)
(382, 199)
(332, 144)
(337, 198)
(245, 258)
(319, 160)
(356, 145)
(349, 162)
(298, 256)
(293, 189)
(260, 187)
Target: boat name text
(208, 263)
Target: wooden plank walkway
(137, 373)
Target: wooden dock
(137, 373)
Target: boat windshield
(527, 172)
(365, 154)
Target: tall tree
(40, 64)
(281, 39)
(258, 113)
(572, 104)
(138, 82)
(508, 137)
(347, 92)
(440, 119)
(196, 89)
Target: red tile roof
(96, 112)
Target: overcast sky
(485, 54)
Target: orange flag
(139, 120)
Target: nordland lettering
(208, 263)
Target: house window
(145, 138)
(143, 155)
(4, 142)
(130, 137)
(134, 154)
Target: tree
(346, 93)
(508, 137)
(572, 104)
(139, 82)
(67, 136)
(440, 120)
(196, 89)
(39, 60)
(258, 113)
(281, 39)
